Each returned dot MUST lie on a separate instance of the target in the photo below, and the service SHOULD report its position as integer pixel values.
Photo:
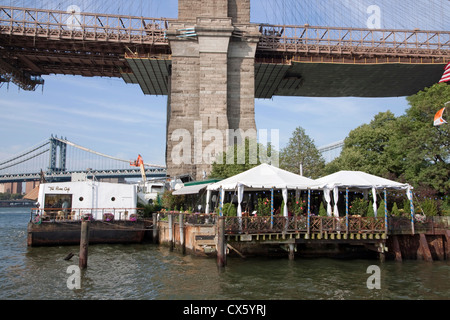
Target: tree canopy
(240, 158)
(301, 154)
(406, 148)
(365, 148)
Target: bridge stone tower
(211, 95)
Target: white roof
(264, 176)
(357, 179)
(190, 189)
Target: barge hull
(68, 233)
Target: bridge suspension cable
(406, 14)
(102, 154)
(126, 7)
(38, 146)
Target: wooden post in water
(396, 248)
(84, 244)
(291, 251)
(171, 231)
(446, 239)
(424, 253)
(221, 243)
(155, 228)
(182, 244)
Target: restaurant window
(58, 201)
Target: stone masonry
(211, 101)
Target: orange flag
(438, 120)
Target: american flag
(446, 75)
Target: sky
(115, 118)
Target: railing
(82, 26)
(39, 215)
(428, 225)
(190, 218)
(315, 39)
(301, 224)
(317, 224)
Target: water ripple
(152, 272)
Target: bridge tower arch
(211, 84)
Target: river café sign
(58, 189)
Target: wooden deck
(388, 237)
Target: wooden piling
(221, 243)
(446, 239)
(182, 242)
(381, 252)
(84, 244)
(396, 248)
(171, 232)
(291, 251)
(423, 252)
(155, 228)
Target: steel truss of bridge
(98, 174)
(57, 149)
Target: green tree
(365, 147)
(426, 159)
(228, 210)
(172, 202)
(380, 210)
(408, 148)
(240, 158)
(370, 212)
(302, 154)
(358, 207)
(395, 212)
(322, 211)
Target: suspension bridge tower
(58, 155)
(211, 97)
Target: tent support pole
(385, 212)
(271, 207)
(346, 210)
(308, 225)
(412, 210)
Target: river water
(152, 272)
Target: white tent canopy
(355, 180)
(358, 179)
(264, 176)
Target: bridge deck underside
(151, 74)
(341, 80)
(308, 79)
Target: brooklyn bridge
(212, 62)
